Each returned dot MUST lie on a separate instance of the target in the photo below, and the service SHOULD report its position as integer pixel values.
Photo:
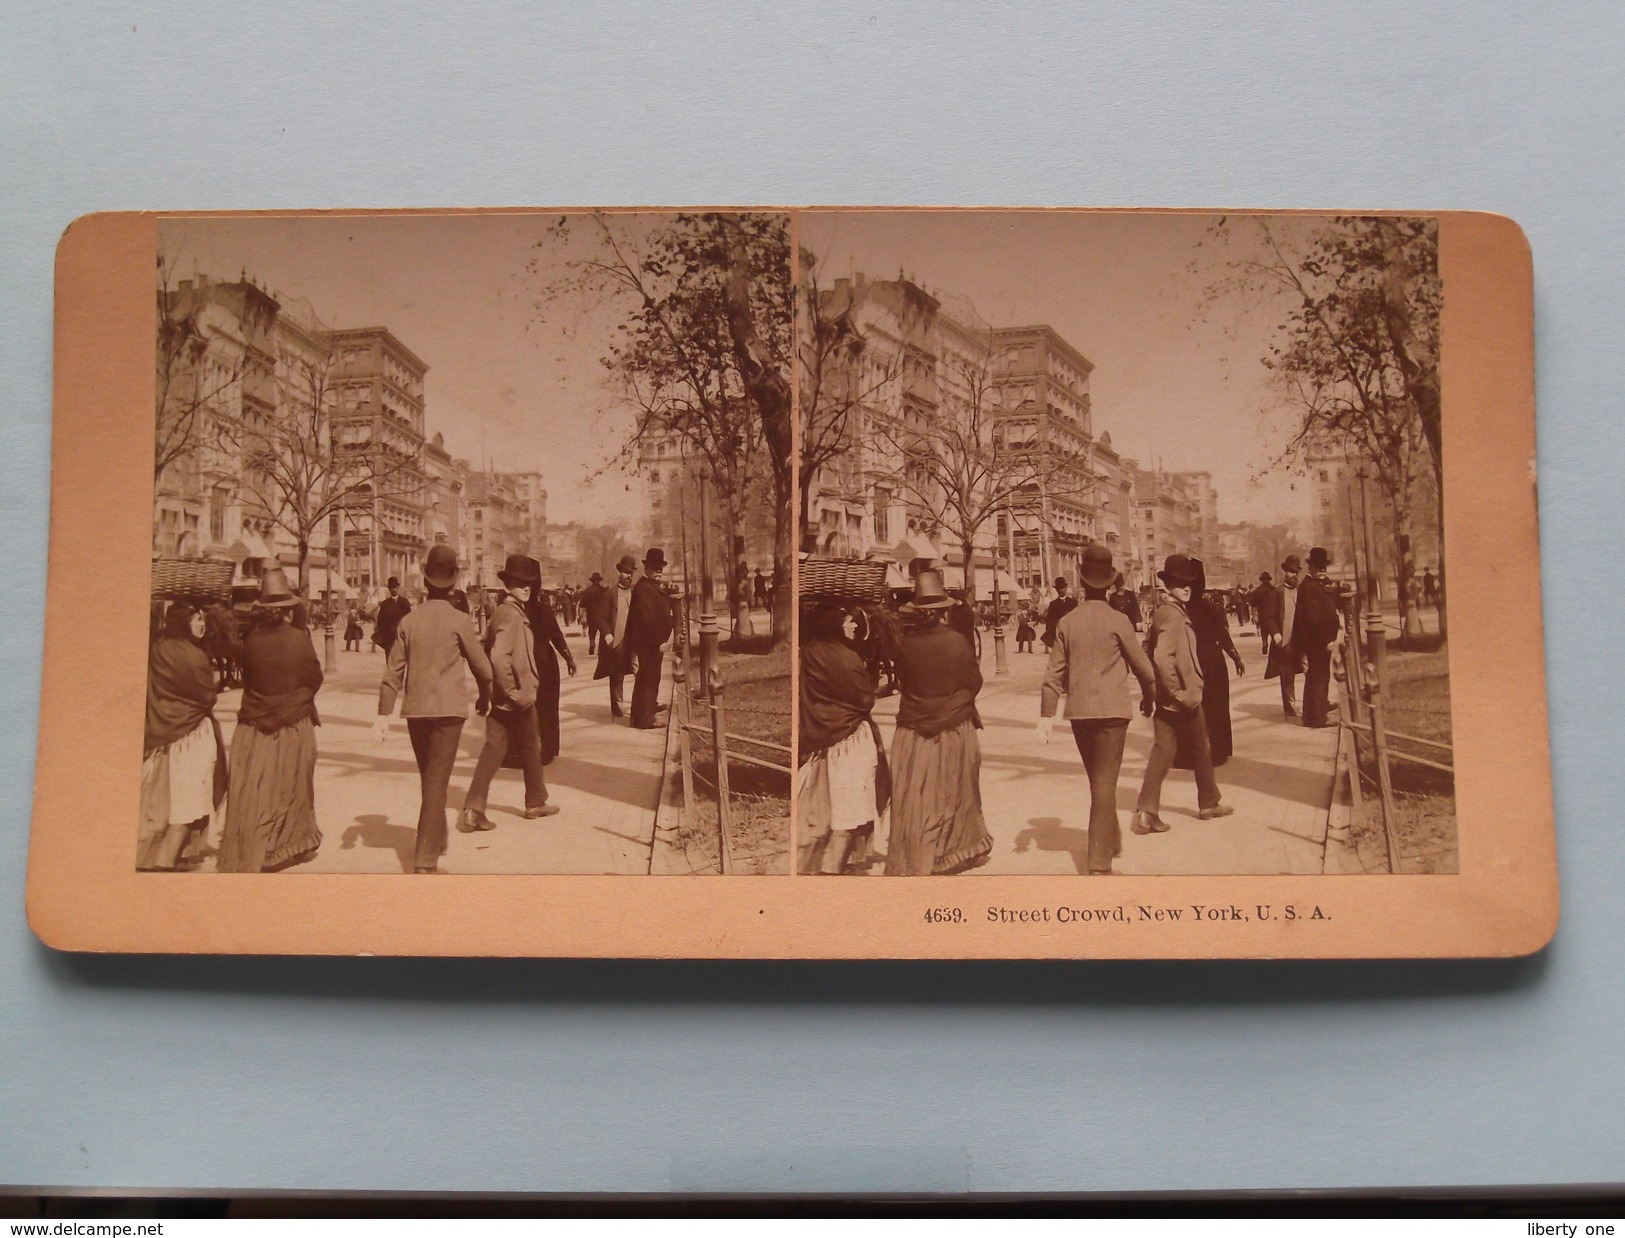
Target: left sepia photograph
(471, 545)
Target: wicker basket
(858, 580)
(192, 580)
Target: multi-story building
(498, 524)
(445, 518)
(379, 410)
(1045, 417)
(1170, 519)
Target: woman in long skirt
(271, 811)
(842, 787)
(937, 825)
(183, 772)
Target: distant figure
(648, 627)
(759, 587)
(1122, 601)
(391, 611)
(614, 609)
(587, 603)
(1025, 632)
(1430, 588)
(1057, 608)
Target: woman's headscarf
(178, 623)
(827, 624)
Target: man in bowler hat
(1314, 632)
(614, 613)
(587, 602)
(391, 611)
(648, 627)
(514, 685)
(1178, 718)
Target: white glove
(1046, 728)
(380, 728)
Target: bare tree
(964, 463)
(702, 357)
(297, 472)
(197, 373)
(835, 385)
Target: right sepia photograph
(1121, 545)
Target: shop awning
(318, 584)
(249, 546)
(954, 578)
(915, 546)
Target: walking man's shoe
(1148, 823)
(1289, 711)
(1218, 810)
(471, 820)
(546, 810)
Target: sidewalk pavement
(1036, 798)
(606, 782)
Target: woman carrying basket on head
(843, 785)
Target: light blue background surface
(331, 1074)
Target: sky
(1177, 373)
(514, 377)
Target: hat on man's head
(520, 570)
(1292, 564)
(1318, 559)
(1264, 578)
(394, 582)
(1095, 566)
(440, 568)
(596, 578)
(1178, 570)
(929, 593)
(274, 591)
(627, 564)
(655, 560)
(1060, 582)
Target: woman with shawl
(271, 812)
(1213, 645)
(937, 823)
(183, 773)
(841, 790)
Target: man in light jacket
(1095, 651)
(1172, 644)
(426, 659)
(512, 720)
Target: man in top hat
(391, 611)
(1276, 621)
(426, 662)
(591, 597)
(1095, 652)
(514, 684)
(648, 627)
(1314, 632)
(614, 612)
(1179, 719)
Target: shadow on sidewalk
(1048, 834)
(375, 833)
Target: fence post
(1376, 635)
(711, 672)
(679, 675)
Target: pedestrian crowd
(264, 784)
(919, 802)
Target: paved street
(606, 781)
(1036, 798)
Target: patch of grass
(1424, 825)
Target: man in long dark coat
(588, 602)
(1314, 631)
(1265, 601)
(648, 627)
(614, 612)
(391, 611)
